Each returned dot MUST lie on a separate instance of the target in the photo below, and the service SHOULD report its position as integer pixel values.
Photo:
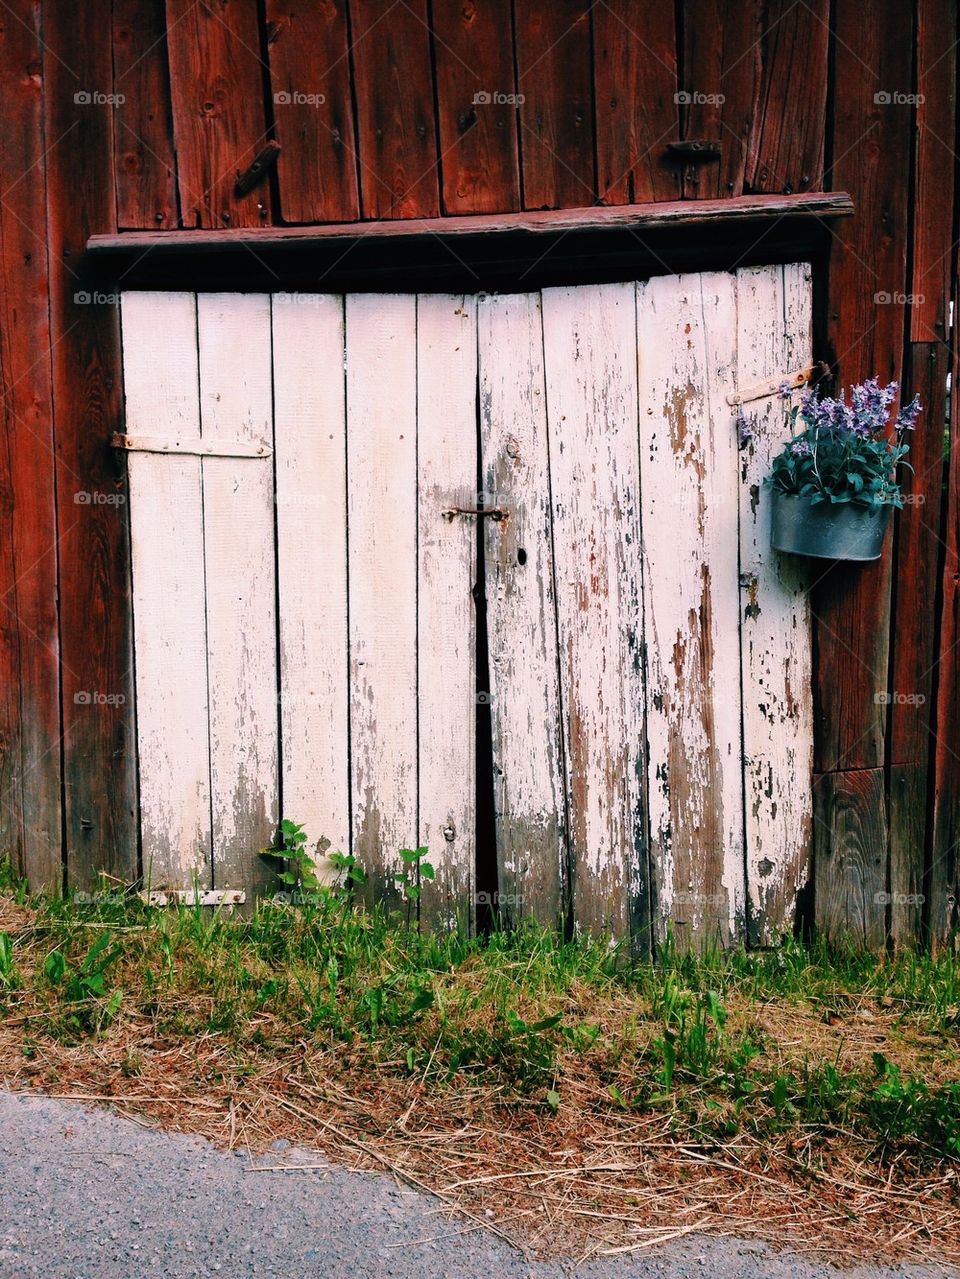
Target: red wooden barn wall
(375, 106)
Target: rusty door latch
(490, 512)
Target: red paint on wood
(395, 114)
(636, 90)
(216, 74)
(308, 50)
(787, 141)
(143, 131)
(29, 674)
(476, 105)
(554, 75)
(91, 532)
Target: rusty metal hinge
(211, 446)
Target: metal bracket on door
(210, 447)
(764, 390)
(491, 512)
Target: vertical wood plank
(721, 74)
(851, 885)
(687, 333)
(446, 617)
(29, 643)
(871, 145)
(476, 107)
(774, 316)
(219, 123)
(382, 528)
(788, 133)
(909, 690)
(396, 126)
(635, 87)
(145, 162)
(310, 434)
(934, 187)
(310, 80)
(233, 332)
(590, 361)
(169, 598)
(528, 766)
(99, 761)
(554, 75)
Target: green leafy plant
(299, 871)
(843, 452)
(416, 869)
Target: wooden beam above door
(504, 252)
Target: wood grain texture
(396, 126)
(29, 643)
(687, 332)
(590, 345)
(851, 884)
(528, 759)
(446, 616)
(99, 769)
(382, 523)
(774, 314)
(307, 46)
(788, 134)
(933, 207)
(311, 496)
(477, 113)
(910, 688)
(169, 593)
(219, 124)
(143, 142)
(865, 333)
(554, 74)
(233, 333)
(721, 76)
(635, 86)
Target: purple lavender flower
(745, 428)
(800, 448)
(907, 417)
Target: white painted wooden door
(304, 564)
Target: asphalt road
(86, 1194)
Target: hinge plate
(192, 445)
(194, 897)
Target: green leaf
(427, 871)
(553, 1100)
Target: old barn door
(303, 471)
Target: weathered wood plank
(528, 762)
(774, 317)
(590, 345)
(721, 80)
(382, 523)
(446, 616)
(219, 124)
(396, 128)
(909, 690)
(92, 539)
(311, 483)
(934, 184)
(871, 145)
(310, 80)
(635, 88)
(29, 643)
(851, 890)
(786, 148)
(233, 332)
(143, 142)
(169, 597)
(476, 107)
(554, 74)
(687, 331)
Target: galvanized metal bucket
(827, 531)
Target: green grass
(526, 1015)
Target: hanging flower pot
(827, 531)
(835, 483)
